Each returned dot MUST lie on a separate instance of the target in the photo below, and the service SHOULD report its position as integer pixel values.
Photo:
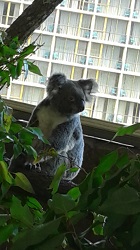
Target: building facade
(97, 39)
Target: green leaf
(106, 163)
(12, 70)
(5, 175)
(36, 235)
(26, 136)
(57, 178)
(8, 52)
(113, 222)
(61, 203)
(34, 69)
(86, 188)
(5, 77)
(27, 51)
(22, 182)
(124, 200)
(127, 130)
(37, 131)
(19, 67)
(21, 213)
(73, 169)
(2, 150)
(17, 150)
(3, 219)
(33, 203)
(5, 186)
(98, 229)
(136, 232)
(52, 243)
(74, 193)
(14, 44)
(30, 151)
(7, 121)
(15, 127)
(6, 232)
(122, 161)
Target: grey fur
(58, 118)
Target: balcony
(50, 27)
(96, 34)
(69, 57)
(134, 15)
(42, 80)
(91, 7)
(134, 40)
(119, 66)
(122, 39)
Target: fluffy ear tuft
(89, 86)
(55, 82)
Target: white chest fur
(49, 120)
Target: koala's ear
(55, 82)
(89, 86)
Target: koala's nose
(82, 105)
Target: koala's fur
(58, 117)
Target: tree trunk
(31, 18)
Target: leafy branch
(13, 60)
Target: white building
(84, 39)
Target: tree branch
(31, 19)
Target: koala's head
(68, 97)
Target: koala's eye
(71, 99)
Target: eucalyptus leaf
(74, 193)
(22, 182)
(19, 67)
(36, 235)
(106, 163)
(136, 232)
(2, 150)
(5, 175)
(15, 127)
(30, 151)
(61, 203)
(124, 200)
(127, 130)
(5, 232)
(20, 212)
(33, 203)
(37, 131)
(52, 243)
(27, 51)
(57, 178)
(34, 69)
(17, 150)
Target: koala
(58, 118)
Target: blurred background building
(86, 39)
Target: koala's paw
(31, 166)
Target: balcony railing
(96, 34)
(100, 8)
(120, 118)
(95, 61)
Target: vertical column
(89, 45)
(7, 14)
(53, 42)
(101, 52)
(124, 58)
(76, 46)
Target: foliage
(107, 200)
(13, 60)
